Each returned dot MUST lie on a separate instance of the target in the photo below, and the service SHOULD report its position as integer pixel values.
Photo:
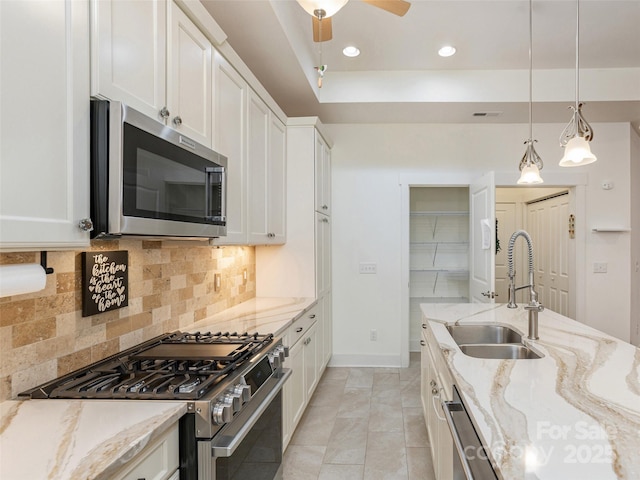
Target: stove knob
(233, 401)
(244, 391)
(221, 413)
(281, 353)
(274, 359)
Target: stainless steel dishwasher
(472, 459)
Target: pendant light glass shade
(330, 7)
(530, 166)
(577, 152)
(577, 134)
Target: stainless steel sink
(483, 333)
(491, 341)
(499, 351)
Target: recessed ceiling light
(351, 51)
(447, 51)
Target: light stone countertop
(78, 439)
(93, 439)
(573, 414)
(258, 315)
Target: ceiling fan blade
(321, 29)
(397, 7)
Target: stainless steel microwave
(149, 180)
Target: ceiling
(399, 77)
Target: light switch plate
(368, 268)
(600, 267)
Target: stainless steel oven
(250, 446)
(149, 180)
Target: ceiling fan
(322, 11)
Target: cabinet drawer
(302, 324)
(159, 461)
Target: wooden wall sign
(105, 281)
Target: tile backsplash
(171, 285)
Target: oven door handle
(224, 445)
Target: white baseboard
(387, 361)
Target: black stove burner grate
(173, 366)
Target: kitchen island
(573, 414)
(98, 439)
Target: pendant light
(577, 134)
(531, 163)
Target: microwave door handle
(209, 214)
(223, 199)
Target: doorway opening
(545, 214)
(438, 251)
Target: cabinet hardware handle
(432, 383)
(313, 315)
(434, 391)
(164, 113)
(324, 220)
(424, 325)
(177, 121)
(85, 225)
(298, 330)
(325, 207)
(422, 342)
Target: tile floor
(362, 423)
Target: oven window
(259, 455)
(164, 181)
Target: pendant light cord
(530, 73)
(577, 50)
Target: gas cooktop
(173, 366)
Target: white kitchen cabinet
(435, 387)
(323, 255)
(304, 362)
(149, 55)
(323, 175)
(189, 78)
(129, 53)
(326, 340)
(229, 127)
(44, 124)
(157, 461)
(266, 180)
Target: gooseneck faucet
(534, 306)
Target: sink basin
(499, 351)
(483, 333)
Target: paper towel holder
(43, 262)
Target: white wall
(367, 161)
(635, 237)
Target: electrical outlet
(368, 268)
(217, 282)
(600, 267)
(244, 276)
(373, 335)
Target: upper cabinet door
(257, 144)
(229, 120)
(128, 59)
(323, 175)
(277, 184)
(189, 78)
(44, 124)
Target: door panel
(482, 245)
(506, 216)
(547, 224)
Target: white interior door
(506, 217)
(482, 240)
(547, 222)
